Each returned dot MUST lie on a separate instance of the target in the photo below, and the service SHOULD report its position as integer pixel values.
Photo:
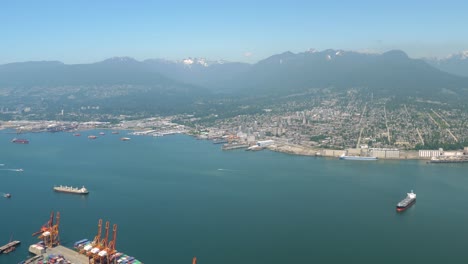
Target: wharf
(9, 245)
(68, 254)
(449, 159)
(234, 146)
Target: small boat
(77, 134)
(20, 141)
(125, 139)
(115, 132)
(7, 195)
(406, 203)
(18, 169)
(102, 133)
(92, 137)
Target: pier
(68, 254)
(9, 245)
(234, 146)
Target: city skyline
(87, 31)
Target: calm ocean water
(176, 197)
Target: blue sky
(81, 31)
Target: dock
(68, 254)
(234, 146)
(9, 245)
(449, 159)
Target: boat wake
(226, 170)
(19, 170)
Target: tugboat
(407, 202)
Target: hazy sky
(80, 31)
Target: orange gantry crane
(111, 247)
(96, 241)
(49, 232)
(107, 254)
(102, 245)
(102, 250)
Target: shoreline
(319, 152)
(146, 128)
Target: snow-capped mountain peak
(462, 55)
(200, 61)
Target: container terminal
(100, 250)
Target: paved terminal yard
(69, 255)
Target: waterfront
(176, 197)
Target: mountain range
(455, 63)
(163, 86)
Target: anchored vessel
(20, 141)
(344, 157)
(407, 202)
(69, 189)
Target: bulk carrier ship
(69, 189)
(407, 202)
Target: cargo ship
(407, 202)
(20, 141)
(344, 157)
(69, 189)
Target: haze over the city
(89, 31)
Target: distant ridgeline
(127, 86)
